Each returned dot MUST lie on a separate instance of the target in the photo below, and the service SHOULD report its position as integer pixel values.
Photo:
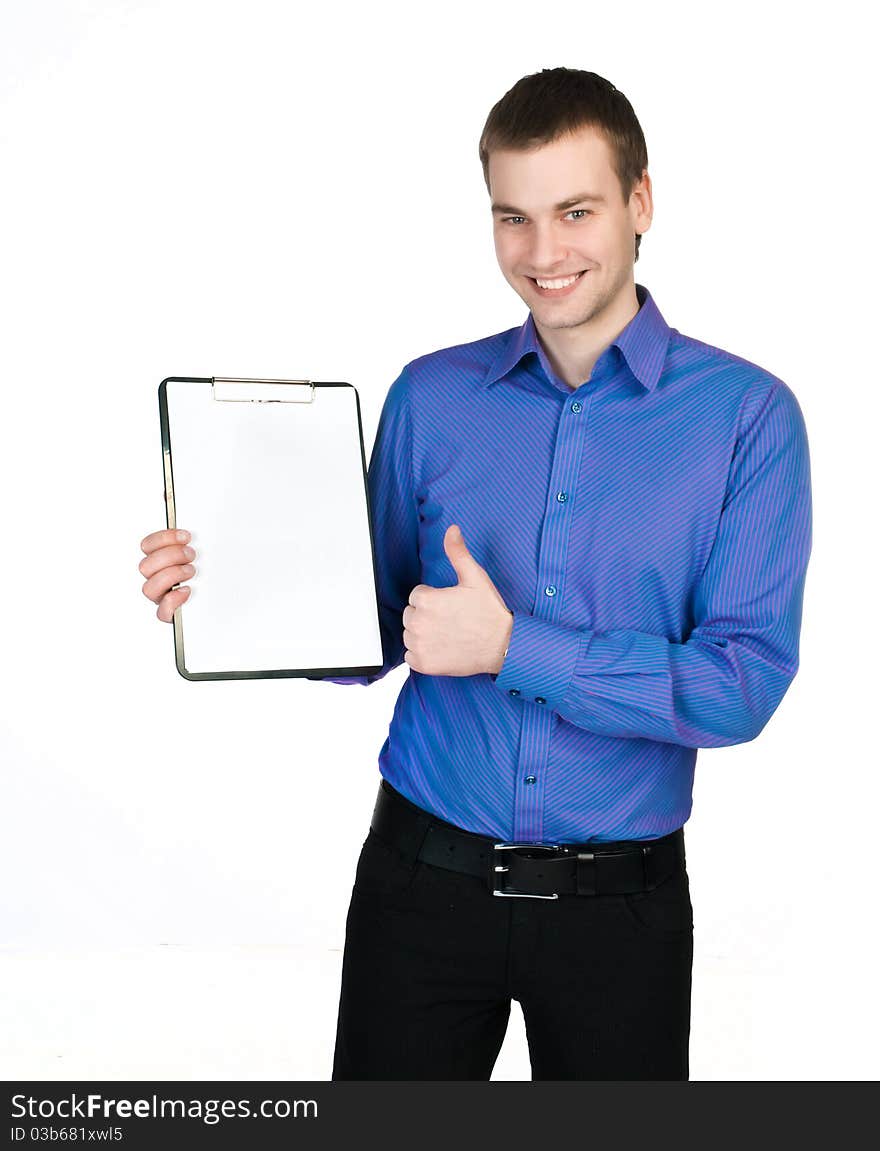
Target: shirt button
(550, 589)
(513, 691)
(562, 496)
(540, 699)
(576, 406)
(531, 779)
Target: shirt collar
(643, 343)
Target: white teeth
(557, 283)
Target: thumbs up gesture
(460, 630)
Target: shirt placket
(552, 572)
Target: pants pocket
(382, 870)
(666, 911)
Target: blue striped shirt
(650, 531)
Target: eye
(585, 211)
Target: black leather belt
(537, 870)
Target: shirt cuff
(541, 659)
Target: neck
(573, 351)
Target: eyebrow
(583, 197)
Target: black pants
(432, 960)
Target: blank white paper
(274, 495)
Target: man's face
(537, 239)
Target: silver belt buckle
(499, 869)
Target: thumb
(466, 567)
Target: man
(592, 535)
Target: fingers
(162, 539)
(165, 579)
(166, 563)
(169, 603)
(164, 557)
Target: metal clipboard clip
(231, 389)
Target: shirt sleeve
(395, 525)
(723, 683)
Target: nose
(548, 252)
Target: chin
(570, 321)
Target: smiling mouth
(557, 291)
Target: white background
(270, 189)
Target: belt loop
(586, 885)
(420, 833)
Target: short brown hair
(551, 103)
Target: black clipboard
(270, 478)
